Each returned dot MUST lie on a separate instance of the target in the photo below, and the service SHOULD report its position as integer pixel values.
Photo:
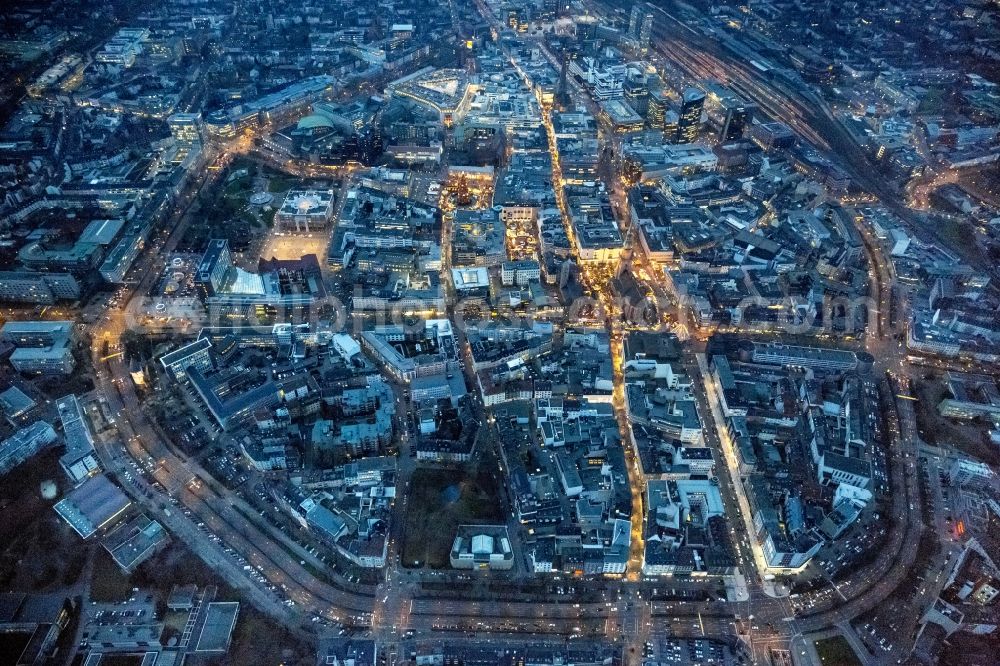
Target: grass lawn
(836, 651)
(242, 162)
(239, 188)
(176, 565)
(257, 639)
(278, 183)
(441, 500)
(109, 582)
(38, 551)
(21, 502)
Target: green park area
(439, 501)
(836, 651)
(223, 209)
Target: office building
(645, 34)
(637, 94)
(80, 460)
(657, 108)
(689, 123)
(24, 444)
(38, 288)
(737, 120)
(215, 263)
(42, 347)
(185, 128)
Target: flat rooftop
(91, 506)
(220, 619)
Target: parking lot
(688, 651)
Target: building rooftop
(92, 506)
(14, 402)
(217, 626)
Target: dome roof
(314, 121)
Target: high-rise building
(586, 29)
(637, 94)
(689, 122)
(640, 26)
(656, 110)
(670, 123)
(563, 99)
(645, 34)
(513, 18)
(215, 263)
(185, 128)
(737, 119)
(635, 21)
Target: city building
(41, 347)
(482, 548)
(185, 128)
(970, 396)
(809, 357)
(229, 402)
(305, 211)
(344, 651)
(94, 505)
(645, 32)
(135, 541)
(277, 283)
(123, 48)
(80, 460)
(197, 354)
(214, 266)
(446, 91)
(520, 273)
(964, 471)
(38, 288)
(37, 618)
(689, 121)
(24, 444)
(772, 136)
(738, 117)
